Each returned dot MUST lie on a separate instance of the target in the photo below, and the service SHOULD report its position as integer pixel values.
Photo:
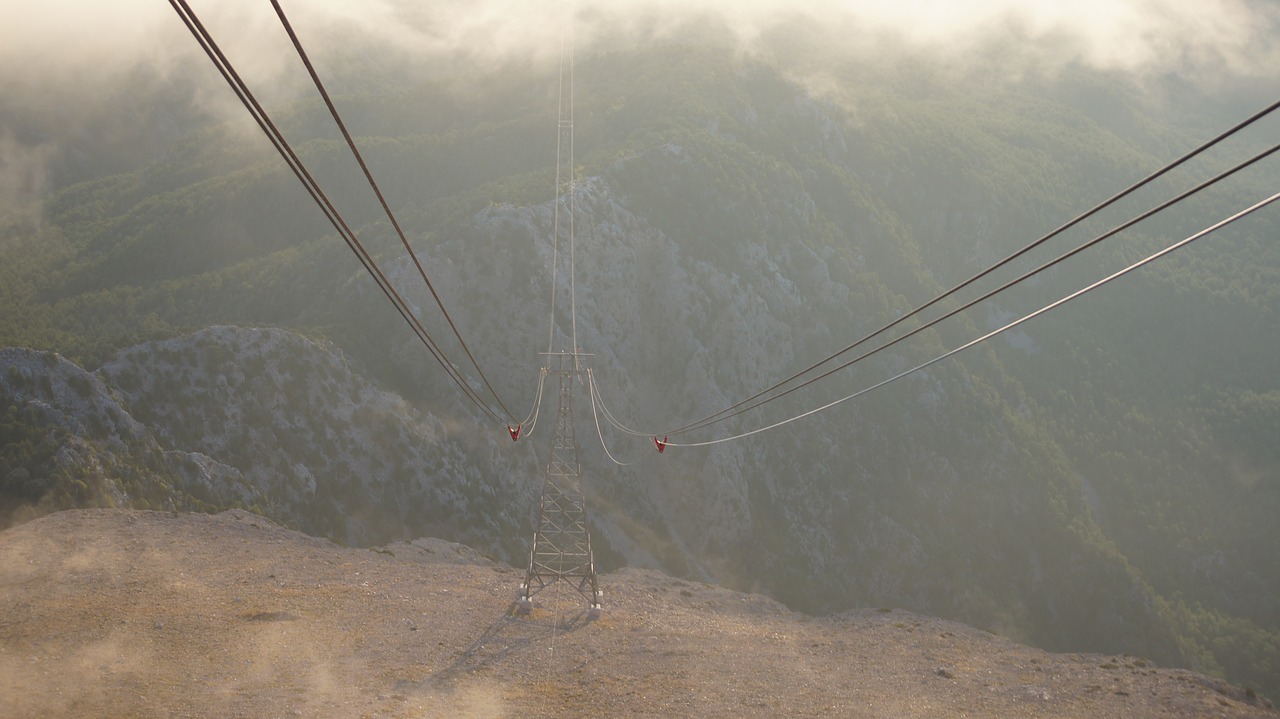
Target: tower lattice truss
(562, 542)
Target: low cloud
(92, 39)
(62, 62)
(23, 177)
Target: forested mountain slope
(1103, 479)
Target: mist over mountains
(1103, 479)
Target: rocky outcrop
(328, 450)
(262, 418)
(104, 455)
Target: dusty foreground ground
(113, 613)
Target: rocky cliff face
(324, 447)
(97, 453)
(260, 418)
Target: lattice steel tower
(561, 541)
(561, 547)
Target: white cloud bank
(62, 59)
(88, 37)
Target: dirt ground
(112, 613)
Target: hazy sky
(91, 36)
(59, 59)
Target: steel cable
(1025, 318)
(1021, 278)
(725, 413)
(315, 77)
(246, 97)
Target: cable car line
(591, 386)
(525, 428)
(613, 420)
(744, 407)
(725, 413)
(246, 97)
(564, 196)
(564, 160)
(1025, 318)
(565, 130)
(315, 77)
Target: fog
(66, 38)
(64, 64)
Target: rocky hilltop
(164, 614)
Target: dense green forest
(1105, 478)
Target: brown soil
(142, 614)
